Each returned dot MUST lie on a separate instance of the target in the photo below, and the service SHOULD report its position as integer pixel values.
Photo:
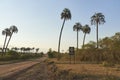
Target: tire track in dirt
(9, 70)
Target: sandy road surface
(9, 69)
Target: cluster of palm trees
(85, 29)
(8, 32)
(96, 19)
(25, 49)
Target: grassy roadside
(16, 61)
(9, 62)
(87, 71)
(13, 57)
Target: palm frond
(13, 28)
(97, 18)
(66, 14)
(6, 32)
(77, 27)
(86, 29)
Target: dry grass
(89, 69)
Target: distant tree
(51, 53)
(50, 50)
(22, 49)
(77, 27)
(15, 49)
(111, 42)
(97, 19)
(105, 43)
(65, 15)
(90, 45)
(13, 29)
(86, 30)
(33, 49)
(28, 49)
(116, 41)
(37, 49)
(7, 33)
(116, 36)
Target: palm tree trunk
(77, 40)
(60, 39)
(97, 35)
(8, 42)
(84, 40)
(4, 44)
(77, 48)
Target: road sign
(71, 51)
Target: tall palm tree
(13, 29)
(86, 30)
(7, 33)
(65, 15)
(97, 19)
(77, 27)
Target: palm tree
(13, 29)
(97, 19)
(29, 49)
(22, 49)
(65, 15)
(33, 49)
(86, 30)
(77, 27)
(15, 49)
(7, 33)
(37, 49)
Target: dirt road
(11, 69)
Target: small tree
(51, 54)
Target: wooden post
(74, 58)
(70, 59)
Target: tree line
(25, 49)
(111, 43)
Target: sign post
(72, 52)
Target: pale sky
(39, 22)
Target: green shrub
(52, 54)
(13, 55)
(5, 58)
